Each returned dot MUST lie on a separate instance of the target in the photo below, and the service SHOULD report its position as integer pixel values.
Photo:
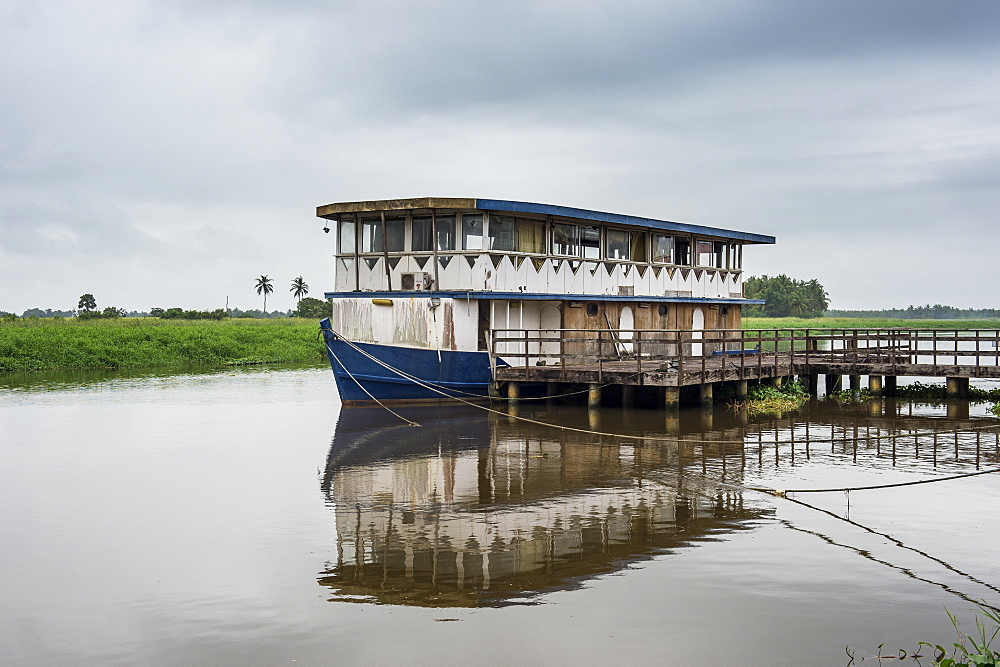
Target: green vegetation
(43, 344)
(312, 308)
(848, 396)
(863, 323)
(928, 312)
(921, 392)
(88, 310)
(969, 651)
(769, 399)
(786, 297)
(939, 392)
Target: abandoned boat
(422, 285)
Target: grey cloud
(170, 136)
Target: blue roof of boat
(334, 210)
(616, 218)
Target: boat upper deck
(493, 245)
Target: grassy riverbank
(45, 344)
(863, 323)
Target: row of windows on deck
(511, 234)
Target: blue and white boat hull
(391, 373)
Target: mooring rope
(784, 492)
(334, 355)
(430, 383)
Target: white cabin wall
(466, 319)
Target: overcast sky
(168, 153)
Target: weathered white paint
(626, 322)
(549, 323)
(697, 324)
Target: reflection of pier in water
(473, 509)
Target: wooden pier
(672, 359)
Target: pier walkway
(673, 359)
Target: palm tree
(264, 287)
(299, 288)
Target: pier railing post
(638, 356)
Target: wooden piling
(957, 387)
(513, 392)
(875, 384)
(834, 383)
(705, 394)
(671, 397)
(741, 389)
(594, 396)
(855, 381)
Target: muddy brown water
(244, 517)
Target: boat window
(472, 232)
(682, 251)
(663, 248)
(617, 244)
(530, 236)
(734, 256)
(446, 232)
(638, 247)
(421, 238)
(395, 234)
(720, 255)
(348, 238)
(371, 235)
(590, 240)
(705, 253)
(565, 239)
(501, 232)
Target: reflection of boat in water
(477, 509)
(473, 510)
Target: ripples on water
(242, 516)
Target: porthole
(662, 310)
(592, 309)
(724, 311)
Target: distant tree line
(928, 312)
(307, 307)
(785, 297)
(87, 308)
(48, 312)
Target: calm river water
(242, 517)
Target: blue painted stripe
(617, 218)
(537, 296)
